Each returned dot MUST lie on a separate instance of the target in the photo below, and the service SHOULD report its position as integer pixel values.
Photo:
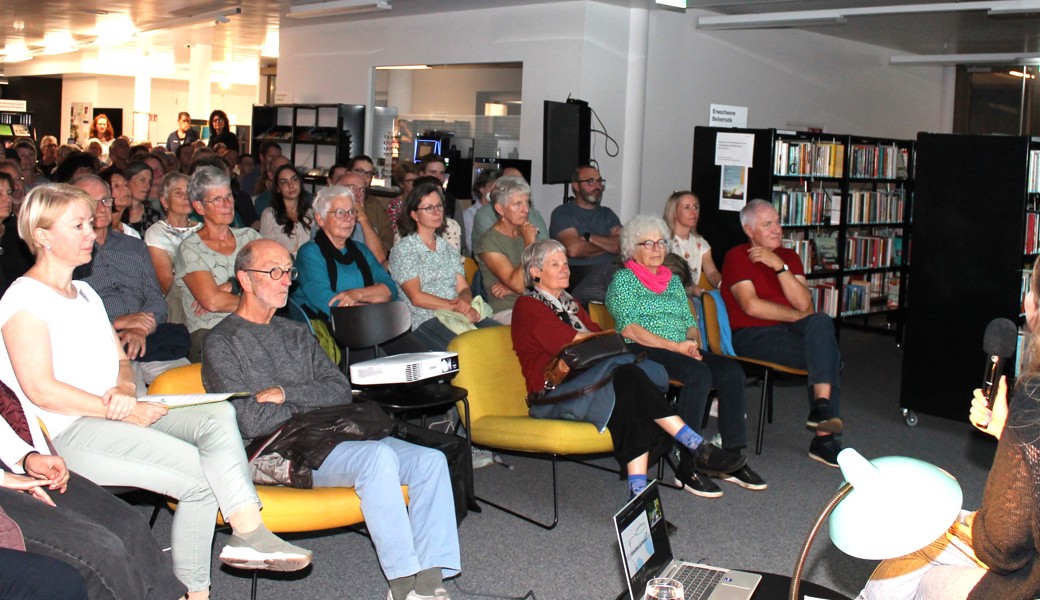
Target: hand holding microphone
(989, 411)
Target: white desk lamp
(887, 507)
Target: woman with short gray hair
(651, 310)
(499, 249)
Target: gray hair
(84, 177)
(205, 179)
(639, 226)
(534, 255)
(327, 194)
(507, 187)
(749, 214)
(169, 180)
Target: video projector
(405, 368)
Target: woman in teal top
(334, 269)
(651, 310)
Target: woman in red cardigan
(633, 407)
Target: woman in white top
(289, 219)
(67, 366)
(682, 210)
(164, 237)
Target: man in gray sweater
(281, 363)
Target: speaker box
(566, 139)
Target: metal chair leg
(556, 505)
(763, 408)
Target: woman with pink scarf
(650, 307)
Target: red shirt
(738, 267)
(538, 334)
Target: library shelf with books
(844, 205)
(313, 136)
(975, 205)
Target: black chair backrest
(368, 325)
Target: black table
(421, 396)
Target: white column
(199, 81)
(142, 104)
(635, 104)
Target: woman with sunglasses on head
(429, 269)
(289, 219)
(204, 267)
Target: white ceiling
(241, 38)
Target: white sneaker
(438, 594)
(482, 458)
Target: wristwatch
(785, 268)
(586, 235)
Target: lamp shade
(897, 505)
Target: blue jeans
(408, 539)
(698, 377)
(808, 343)
(193, 454)
(102, 537)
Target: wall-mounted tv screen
(424, 146)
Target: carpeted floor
(505, 557)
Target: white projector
(404, 368)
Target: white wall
(595, 51)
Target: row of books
(1027, 277)
(878, 161)
(313, 135)
(809, 158)
(875, 207)
(1034, 172)
(872, 252)
(1032, 232)
(825, 298)
(804, 208)
(10, 118)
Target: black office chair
(366, 326)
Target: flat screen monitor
(424, 146)
(5, 129)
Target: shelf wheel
(909, 416)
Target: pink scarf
(655, 282)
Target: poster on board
(79, 123)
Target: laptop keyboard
(698, 582)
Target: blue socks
(689, 438)
(636, 484)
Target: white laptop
(646, 553)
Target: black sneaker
(698, 484)
(822, 418)
(745, 478)
(716, 460)
(825, 449)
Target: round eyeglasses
(649, 244)
(277, 273)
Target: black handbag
(582, 354)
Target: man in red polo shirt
(773, 318)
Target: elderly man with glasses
(373, 224)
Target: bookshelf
(975, 217)
(844, 204)
(313, 136)
(14, 125)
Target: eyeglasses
(357, 190)
(433, 208)
(649, 244)
(221, 200)
(363, 172)
(288, 181)
(277, 273)
(108, 201)
(343, 213)
(593, 181)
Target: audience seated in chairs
(772, 316)
(287, 371)
(204, 265)
(70, 373)
(650, 309)
(429, 270)
(632, 406)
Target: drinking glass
(663, 588)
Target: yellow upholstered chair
(601, 315)
(470, 267)
(765, 369)
(490, 372)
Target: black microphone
(999, 344)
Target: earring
(47, 247)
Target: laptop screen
(643, 539)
